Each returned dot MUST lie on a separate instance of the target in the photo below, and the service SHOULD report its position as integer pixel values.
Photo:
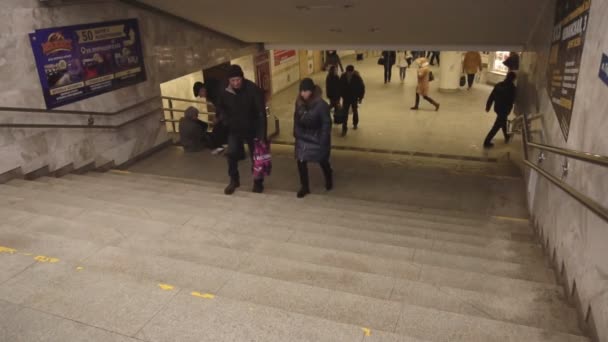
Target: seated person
(192, 131)
(219, 135)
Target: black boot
(329, 178)
(231, 188)
(303, 192)
(258, 186)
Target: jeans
(434, 56)
(347, 105)
(236, 153)
(500, 123)
(470, 79)
(388, 72)
(303, 171)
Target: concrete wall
(284, 74)
(172, 48)
(579, 237)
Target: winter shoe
(303, 192)
(488, 145)
(258, 187)
(231, 188)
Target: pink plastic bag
(262, 160)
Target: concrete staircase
(127, 257)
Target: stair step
(317, 216)
(311, 300)
(272, 228)
(379, 211)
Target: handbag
(431, 76)
(463, 81)
(340, 116)
(262, 159)
(381, 61)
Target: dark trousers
(303, 171)
(335, 105)
(402, 73)
(434, 57)
(388, 72)
(433, 102)
(470, 79)
(236, 153)
(348, 104)
(500, 123)
(219, 135)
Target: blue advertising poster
(82, 61)
(604, 69)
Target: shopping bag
(262, 159)
(463, 80)
(340, 116)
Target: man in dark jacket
(332, 87)
(390, 58)
(503, 98)
(243, 111)
(332, 58)
(352, 90)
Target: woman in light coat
(424, 74)
(403, 62)
(312, 132)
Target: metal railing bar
(182, 100)
(76, 112)
(13, 125)
(584, 156)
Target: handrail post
(524, 127)
(171, 114)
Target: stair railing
(592, 158)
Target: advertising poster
(571, 22)
(82, 61)
(282, 56)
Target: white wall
(285, 74)
(578, 237)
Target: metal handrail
(88, 126)
(182, 100)
(76, 112)
(596, 159)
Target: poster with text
(282, 56)
(571, 21)
(82, 61)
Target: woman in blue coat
(312, 131)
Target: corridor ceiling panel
(441, 23)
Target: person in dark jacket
(352, 91)
(332, 58)
(390, 58)
(243, 111)
(219, 134)
(192, 131)
(512, 62)
(312, 132)
(503, 98)
(332, 86)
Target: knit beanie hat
(307, 84)
(191, 112)
(235, 71)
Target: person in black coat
(352, 90)
(333, 59)
(390, 58)
(503, 98)
(512, 62)
(332, 86)
(312, 132)
(243, 111)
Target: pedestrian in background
(312, 132)
(332, 87)
(332, 58)
(424, 80)
(389, 59)
(471, 65)
(352, 90)
(403, 62)
(503, 98)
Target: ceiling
(428, 24)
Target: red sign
(281, 56)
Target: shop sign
(82, 61)
(571, 23)
(283, 56)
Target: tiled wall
(172, 48)
(579, 237)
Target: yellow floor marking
(42, 258)
(508, 218)
(202, 295)
(79, 268)
(7, 250)
(367, 331)
(166, 287)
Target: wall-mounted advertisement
(282, 56)
(571, 22)
(82, 61)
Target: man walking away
(352, 92)
(471, 65)
(389, 60)
(332, 87)
(502, 97)
(241, 105)
(332, 58)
